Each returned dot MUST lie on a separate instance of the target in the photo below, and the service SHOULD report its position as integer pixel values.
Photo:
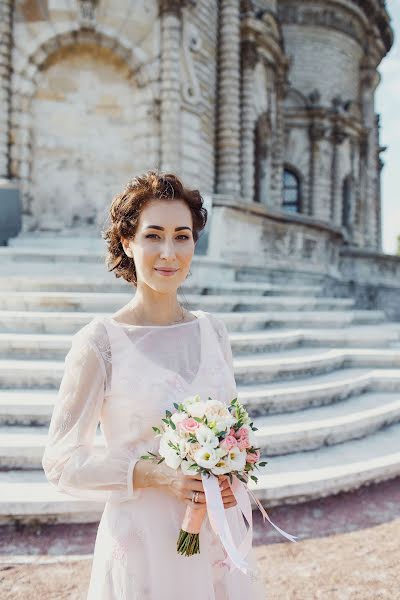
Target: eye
(179, 236)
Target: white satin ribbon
(216, 512)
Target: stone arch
(25, 82)
(294, 100)
(293, 172)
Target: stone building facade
(266, 106)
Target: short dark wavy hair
(125, 210)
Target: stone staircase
(321, 379)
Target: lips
(167, 270)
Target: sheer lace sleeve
(71, 460)
(223, 337)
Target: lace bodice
(123, 377)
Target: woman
(124, 371)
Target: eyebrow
(162, 228)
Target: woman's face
(157, 244)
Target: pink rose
(252, 457)
(189, 425)
(242, 435)
(228, 442)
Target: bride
(122, 372)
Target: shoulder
(92, 338)
(218, 325)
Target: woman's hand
(183, 486)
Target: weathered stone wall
(258, 237)
(198, 53)
(5, 73)
(323, 59)
(83, 98)
(225, 93)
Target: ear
(125, 246)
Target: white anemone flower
(190, 400)
(222, 467)
(172, 457)
(206, 437)
(237, 459)
(206, 457)
(185, 466)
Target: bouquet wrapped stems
(189, 538)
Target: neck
(157, 312)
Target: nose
(167, 249)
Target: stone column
(316, 134)
(248, 117)
(6, 23)
(170, 117)
(337, 138)
(228, 103)
(278, 144)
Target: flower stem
(188, 543)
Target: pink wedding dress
(125, 377)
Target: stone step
(88, 281)
(26, 407)
(302, 476)
(291, 364)
(262, 368)
(55, 346)
(288, 396)
(27, 496)
(69, 322)
(384, 335)
(111, 302)
(326, 425)
(34, 407)
(22, 447)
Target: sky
(388, 106)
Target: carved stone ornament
(87, 12)
(174, 7)
(338, 135)
(191, 44)
(303, 14)
(249, 54)
(317, 132)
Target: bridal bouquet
(209, 438)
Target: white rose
(191, 448)
(206, 457)
(178, 417)
(206, 437)
(237, 459)
(197, 409)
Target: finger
(194, 505)
(224, 485)
(201, 498)
(227, 494)
(194, 485)
(230, 505)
